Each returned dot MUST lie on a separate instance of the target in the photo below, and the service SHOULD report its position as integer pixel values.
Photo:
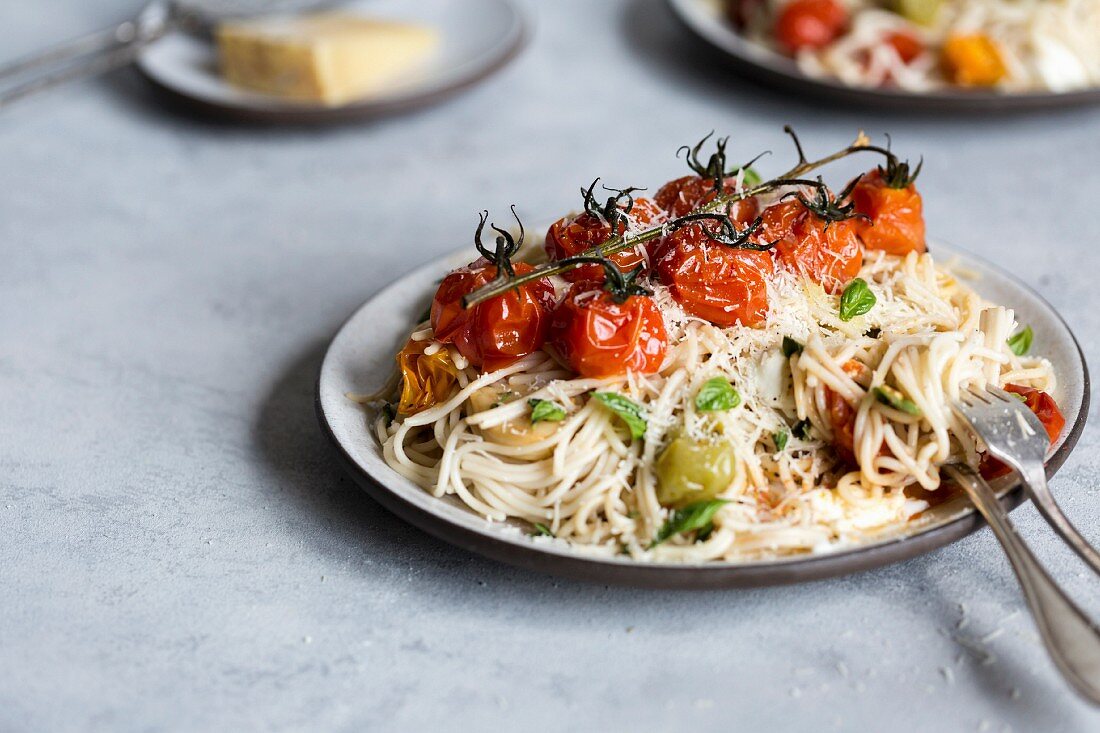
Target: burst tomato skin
(570, 236)
(495, 333)
(896, 215)
(829, 255)
(842, 417)
(681, 196)
(810, 24)
(907, 46)
(597, 337)
(1045, 408)
(712, 281)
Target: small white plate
(361, 357)
(477, 37)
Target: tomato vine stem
(623, 242)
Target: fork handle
(93, 53)
(1036, 482)
(1072, 640)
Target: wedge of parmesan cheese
(331, 58)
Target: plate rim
(518, 38)
(682, 576)
(739, 53)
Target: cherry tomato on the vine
(827, 253)
(570, 236)
(895, 218)
(681, 196)
(498, 331)
(597, 336)
(722, 284)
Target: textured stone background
(178, 549)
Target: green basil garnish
(1020, 343)
(750, 178)
(717, 394)
(856, 300)
(780, 439)
(791, 347)
(545, 410)
(627, 409)
(887, 395)
(541, 530)
(698, 516)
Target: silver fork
(1071, 639)
(1013, 433)
(995, 416)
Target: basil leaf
(791, 347)
(717, 394)
(856, 300)
(699, 515)
(894, 398)
(541, 530)
(780, 439)
(801, 430)
(750, 178)
(1020, 343)
(627, 409)
(545, 410)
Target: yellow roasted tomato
(973, 60)
(691, 470)
(426, 379)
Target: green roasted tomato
(689, 471)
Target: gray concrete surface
(180, 552)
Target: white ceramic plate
(360, 358)
(704, 19)
(477, 37)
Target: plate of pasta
(960, 54)
(737, 381)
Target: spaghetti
(818, 427)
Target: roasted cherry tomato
(810, 24)
(721, 284)
(973, 60)
(684, 195)
(825, 253)
(570, 236)
(597, 336)
(426, 379)
(1045, 408)
(907, 46)
(495, 333)
(842, 416)
(895, 218)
